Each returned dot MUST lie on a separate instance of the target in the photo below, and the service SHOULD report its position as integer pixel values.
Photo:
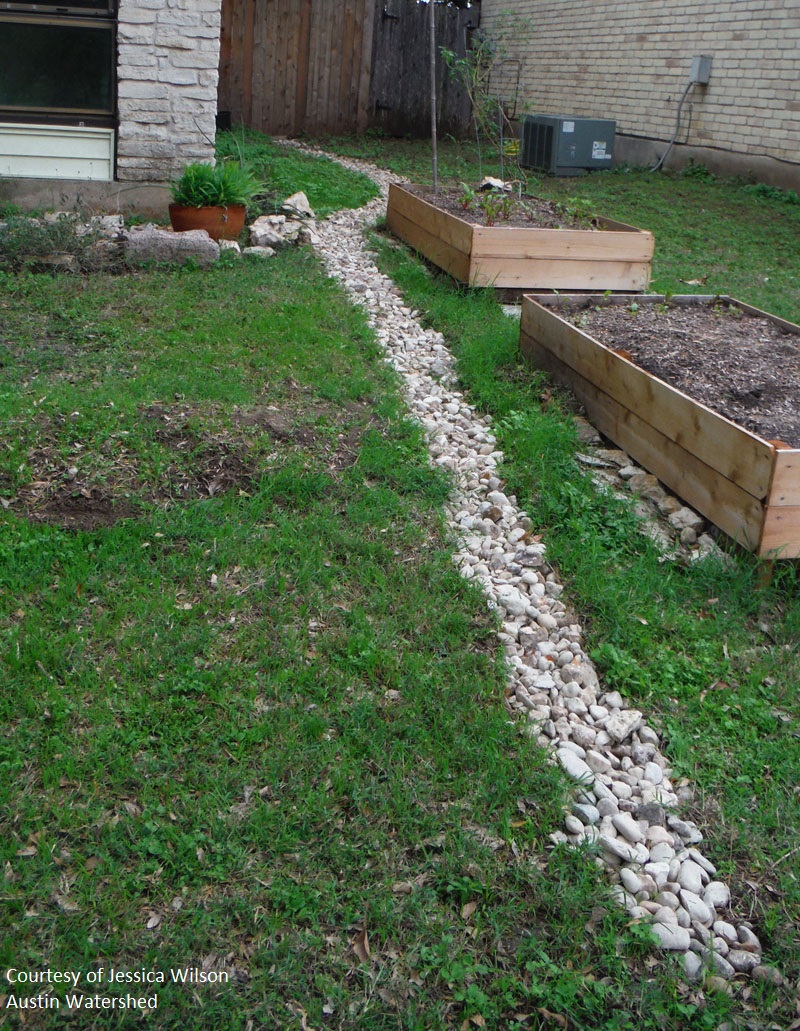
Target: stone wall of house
(630, 60)
(167, 74)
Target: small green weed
(63, 242)
(491, 204)
(772, 193)
(466, 196)
(697, 170)
(576, 209)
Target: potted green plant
(213, 197)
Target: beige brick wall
(167, 74)
(630, 60)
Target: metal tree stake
(435, 154)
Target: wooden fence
(317, 66)
(400, 100)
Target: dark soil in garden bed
(526, 212)
(742, 366)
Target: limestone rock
(671, 937)
(258, 252)
(686, 518)
(298, 205)
(149, 243)
(620, 724)
(263, 233)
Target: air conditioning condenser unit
(565, 145)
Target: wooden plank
(582, 244)
(785, 488)
(275, 15)
(260, 95)
(622, 227)
(703, 487)
(559, 274)
(234, 71)
(312, 90)
(429, 219)
(302, 73)
(225, 51)
(332, 57)
(352, 67)
(740, 456)
(436, 249)
(576, 301)
(781, 534)
(262, 67)
(247, 62)
(346, 21)
(286, 74)
(364, 70)
(790, 327)
(358, 59)
(230, 85)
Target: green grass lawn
(253, 719)
(286, 170)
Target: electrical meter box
(565, 145)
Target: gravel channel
(624, 800)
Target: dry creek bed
(743, 366)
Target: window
(58, 65)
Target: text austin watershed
(72, 978)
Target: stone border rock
(625, 804)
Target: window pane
(64, 67)
(46, 6)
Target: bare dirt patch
(77, 512)
(742, 366)
(198, 452)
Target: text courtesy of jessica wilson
(98, 988)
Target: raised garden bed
(746, 484)
(607, 256)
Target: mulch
(742, 366)
(531, 213)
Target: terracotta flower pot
(221, 223)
